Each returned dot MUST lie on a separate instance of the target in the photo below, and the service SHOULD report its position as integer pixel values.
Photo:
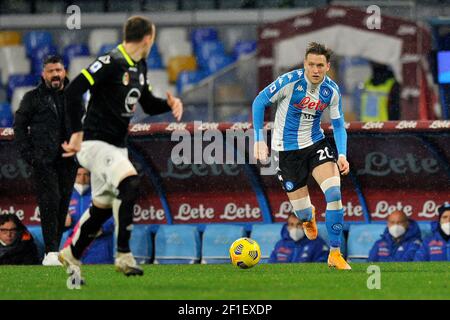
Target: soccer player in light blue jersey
(301, 96)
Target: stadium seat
(20, 80)
(159, 82)
(10, 38)
(361, 238)
(425, 229)
(323, 233)
(77, 64)
(176, 49)
(38, 57)
(177, 244)
(36, 39)
(170, 35)
(36, 232)
(178, 64)
(243, 48)
(206, 50)
(267, 235)
(188, 78)
(105, 48)
(17, 97)
(13, 61)
(141, 243)
(6, 116)
(74, 50)
(217, 62)
(99, 37)
(200, 35)
(217, 239)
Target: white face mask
(397, 230)
(81, 188)
(446, 228)
(296, 233)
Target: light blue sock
(334, 220)
(304, 214)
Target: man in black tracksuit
(40, 129)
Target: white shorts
(108, 165)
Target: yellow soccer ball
(245, 253)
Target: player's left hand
(176, 105)
(344, 166)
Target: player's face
(54, 74)
(148, 43)
(8, 232)
(316, 67)
(83, 176)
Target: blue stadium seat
(105, 48)
(141, 243)
(244, 47)
(217, 62)
(323, 233)
(217, 239)
(177, 244)
(267, 235)
(20, 80)
(154, 60)
(6, 116)
(74, 50)
(186, 78)
(206, 50)
(361, 238)
(38, 238)
(200, 35)
(36, 39)
(425, 229)
(38, 57)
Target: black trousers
(53, 183)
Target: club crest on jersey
(126, 78)
(307, 103)
(289, 185)
(325, 92)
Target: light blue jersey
(300, 106)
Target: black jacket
(22, 251)
(42, 110)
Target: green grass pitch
(226, 282)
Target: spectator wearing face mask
(399, 242)
(101, 249)
(295, 247)
(437, 246)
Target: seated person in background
(399, 242)
(437, 246)
(16, 243)
(295, 247)
(101, 249)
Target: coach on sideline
(40, 129)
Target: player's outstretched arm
(176, 105)
(260, 149)
(153, 105)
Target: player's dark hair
(53, 59)
(319, 49)
(136, 28)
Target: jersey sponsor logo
(130, 101)
(314, 105)
(126, 78)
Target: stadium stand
(266, 235)
(177, 244)
(217, 239)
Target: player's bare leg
(123, 216)
(304, 211)
(327, 176)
